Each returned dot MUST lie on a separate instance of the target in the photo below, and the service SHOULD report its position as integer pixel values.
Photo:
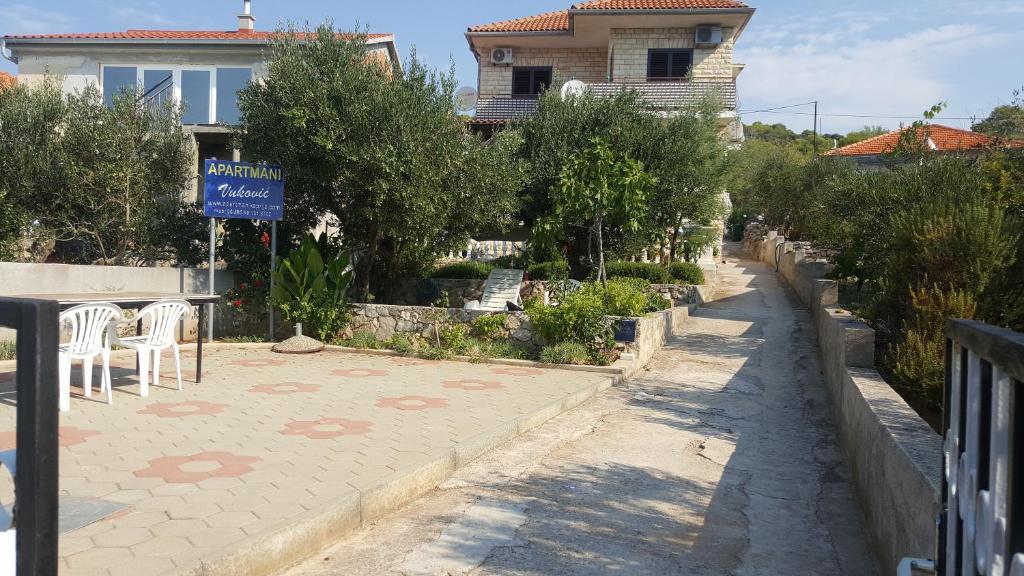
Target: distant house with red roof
(204, 70)
(934, 137)
(672, 52)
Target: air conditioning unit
(501, 56)
(709, 35)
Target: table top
(123, 298)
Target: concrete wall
(655, 329)
(21, 279)
(894, 456)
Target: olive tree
(377, 148)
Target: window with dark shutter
(668, 64)
(530, 82)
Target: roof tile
(167, 35)
(559, 21)
(945, 138)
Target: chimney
(246, 22)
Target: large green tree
(105, 183)
(1005, 121)
(378, 149)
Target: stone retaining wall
(385, 321)
(426, 292)
(894, 456)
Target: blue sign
(243, 191)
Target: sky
(875, 58)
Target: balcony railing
(981, 530)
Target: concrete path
(721, 459)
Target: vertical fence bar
(36, 482)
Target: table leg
(199, 345)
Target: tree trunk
(366, 268)
(602, 274)
(672, 247)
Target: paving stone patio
(265, 439)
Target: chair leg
(177, 363)
(64, 379)
(87, 376)
(156, 366)
(106, 381)
(143, 355)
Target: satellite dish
(573, 89)
(465, 99)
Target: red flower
(237, 303)
(265, 239)
(258, 283)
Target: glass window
(229, 82)
(668, 64)
(195, 95)
(116, 79)
(530, 82)
(158, 87)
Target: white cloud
(26, 19)
(850, 71)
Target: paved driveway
(160, 484)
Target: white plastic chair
(163, 319)
(88, 324)
(8, 533)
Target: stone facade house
(202, 69)
(673, 52)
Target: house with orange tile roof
(202, 69)
(672, 52)
(934, 137)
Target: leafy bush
(471, 270)
(656, 303)
(579, 317)
(310, 291)
(686, 273)
(363, 339)
(402, 343)
(916, 361)
(653, 273)
(695, 242)
(566, 353)
(489, 327)
(512, 261)
(453, 336)
(626, 297)
(555, 270)
(507, 349)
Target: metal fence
(981, 531)
(36, 478)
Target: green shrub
(464, 271)
(656, 303)
(653, 273)
(579, 317)
(402, 343)
(435, 353)
(507, 349)
(453, 336)
(695, 242)
(566, 353)
(363, 339)
(626, 297)
(550, 271)
(686, 273)
(313, 291)
(512, 261)
(489, 327)
(7, 350)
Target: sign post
(243, 191)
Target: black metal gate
(36, 482)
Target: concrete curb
(279, 547)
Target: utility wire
(869, 116)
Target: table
(136, 301)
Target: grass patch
(7, 350)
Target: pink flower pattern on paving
(360, 373)
(515, 371)
(220, 465)
(68, 436)
(184, 409)
(257, 363)
(285, 388)
(412, 403)
(473, 385)
(327, 428)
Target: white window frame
(176, 70)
